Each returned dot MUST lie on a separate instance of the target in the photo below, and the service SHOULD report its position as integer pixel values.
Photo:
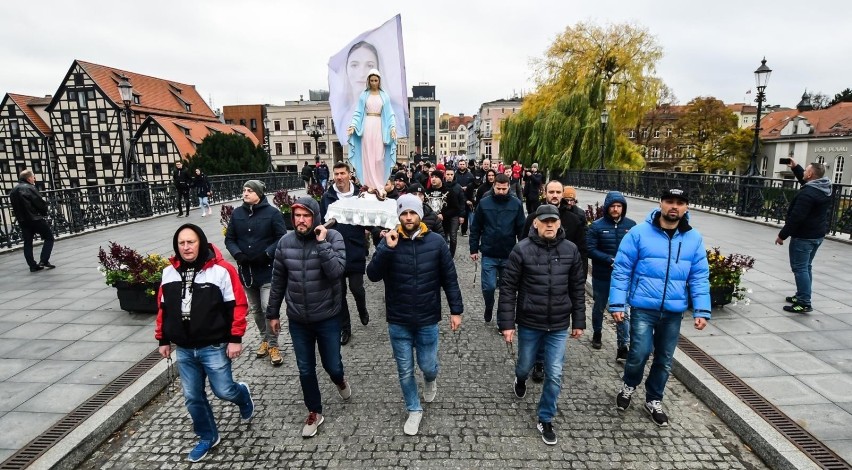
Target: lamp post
(604, 120)
(750, 199)
(316, 132)
(267, 143)
(126, 91)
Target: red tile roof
(833, 121)
(26, 102)
(456, 121)
(157, 96)
(198, 130)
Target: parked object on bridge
(135, 277)
(726, 275)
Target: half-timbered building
(25, 140)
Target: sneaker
(312, 424)
(538, 372)
(798, 308)
(365, 317)
(36, 268)
(430, 389)
(622, 400)
(345, 391)
(520, 388)
(247, 412)
(263, 349)
(547, 434)
(180, 215)
(622, 353)
(46, 265)
(596, 340)
(345, 336)
(412, 424)
(655, 411)
(204, 215)
(275, 356)
(202, 449)
(791, 299)
(487, 316)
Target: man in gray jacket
(306, 271)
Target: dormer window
(136, 99)
(188, 107)
(186, 131)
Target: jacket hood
(421, 232)
(653, 218)
(823, 184)
(310, 204)
(207, 253)
(611, 197)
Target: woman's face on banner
(358, 65)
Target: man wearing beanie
(309, 262)
(252, 234)
(202, 309)
(415, 265)
(569, 200)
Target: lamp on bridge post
(267, 144)
(131, 173)
(316, 132)
(604, 120)
(750, 178)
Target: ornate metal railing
(75, 210)
(755, 198)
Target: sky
(266, 51)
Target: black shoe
(365, 317)
(655, 411)
(596, 340)
(791, 299)
(538, 372)
(345, 336)
(520, 388)
(621, 355)
(180, 215)
(488, 316)
(798, 308)
(622, 400)
(35, 268)
(547, 434)
(46, 265)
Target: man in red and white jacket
(202, 309)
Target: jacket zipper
(304, 284)
(668, 268)
(416, 283)
(549, 284)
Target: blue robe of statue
(388, 122)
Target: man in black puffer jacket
(309, 262)
(543, 291)
(415, 265)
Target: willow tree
(587, 69)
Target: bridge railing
(74, 210)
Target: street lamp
(761, 78)
(316, 132)
(126, 91)
(604, 120)
(267, 143)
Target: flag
(381, 49)
(749, 91)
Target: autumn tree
(702, 126)
(587, 69)
(734, 152)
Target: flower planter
(133, 297)
(721, 296)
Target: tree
(843, 96)
(820, 100)
(705, 121)
(587, 68)
(222, 153)
(734, 152)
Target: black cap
(400, 175)
(675, 193)
(416, 188)
(546, 211)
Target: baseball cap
(416, 188)
(546, 211)
(676, 194)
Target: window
(69, 140)
(158, 170)
(18, 149)
(66, 117)
(14, 128)
(321, 146)
(90, 95)
(162, 148)
(78, 79)
(72, 95)
(253, 124)
(153, 129)
(102, 117)
(4, 167)
(305, 123)
(147, 149)
(84, 122)
(820, 159)
(91, 169)
(276, 125)
(292, 147)
(2, 145)
(657, 134)
(838, 169)
(36, 166)
(33, 144)
(291, 125)
(82, 102)
(188, 107)
(321, 122)
(488, 149)
(631, 134)
(87, 145)
(106, 161)
(306, 147)
(279, 148)
(644, 133)
(669, 132)
(103, 138)
(136, 99)
(229, 121)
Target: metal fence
(75, 210)
(757, 198)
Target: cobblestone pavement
(475, 421)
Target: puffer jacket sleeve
(577, 293)
(699, 283)
(380, 262)
(450, 281)
(509, 285)
(278, 286)
(332, 253)
(593, 243)
(622, 273)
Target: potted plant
(284, 201)
(725, 276)
(135, 277)
(225, 217)
(315, 191)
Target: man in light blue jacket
(660, 264)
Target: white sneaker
(430, 389)
(204, 215)
(412, 424)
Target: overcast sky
(265, 51)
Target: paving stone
(835, 387)
(47, 371)
(785, 390)
(26, 426)
(59, 398)
(800, 363)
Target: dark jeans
(600, 292)
(356, 285)
(533, 202)
(308, 337)
(651, 330)
(451, 232)
(28, 231)
(181, 197)
(466, 223)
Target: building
(423, 111)
(452, 134)
(25, 140)
(290, 143)
(491, 116)
(246, 115)
(473, 132)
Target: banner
(381, 49)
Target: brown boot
(263, 350)
(275, 356)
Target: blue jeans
(600, 292)
(211, 362)
(308, 337)
(553, 343)
(405, 340)
(492, 272)
(651, 331)
(802, 252)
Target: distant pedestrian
(202, 309)
(415, 265)
(660, 265)
(806, 224)
(321, 174)
(203, 191)
(543, 292)
(514, 186)
(30, 210)
(533, 188)
(307, 174)
(309, 262)
(183, 183)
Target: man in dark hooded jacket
(309, 262)
(252, 235)
(603, 238)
